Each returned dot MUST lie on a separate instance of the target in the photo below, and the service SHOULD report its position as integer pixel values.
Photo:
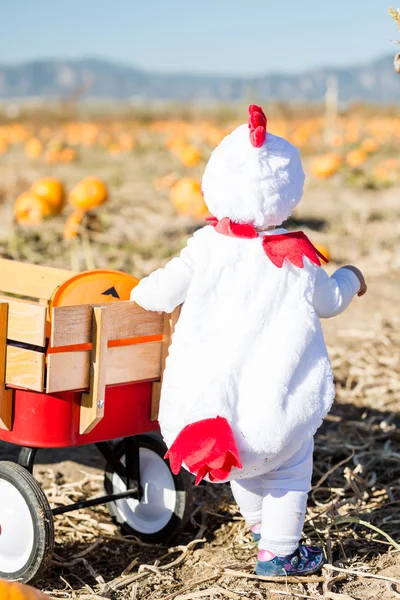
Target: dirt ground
(354, 508)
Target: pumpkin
(324, 250)
(55, 144)
(126, 142)
(33, 148)
(72, 225)
(392, 164)
(30, 209)
(45, 133)
(88, 193)
(67, 155)
(52, 156)
(370, 145)
(186, 197)
(189, 155)
(11, 590)
(381, 174)
(114, 149)
(337, 140)
(3, 146)
(326, 165)
(94, 287)
(165, 182)
(356, 158)
(51, 190)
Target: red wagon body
(52, 420)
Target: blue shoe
(303, 561)
(256, 537)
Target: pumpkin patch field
(124, 193)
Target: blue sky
(199, 36)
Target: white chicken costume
(247, 380)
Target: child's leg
(284, 509)
(248, 494)
(282, 522)
(284, 503)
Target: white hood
(259, 186)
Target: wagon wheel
(26, 525)
(164, 508)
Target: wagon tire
(26, 525)
(165, 508)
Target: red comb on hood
(257, 125)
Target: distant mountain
(376, 81)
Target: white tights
(277, 501)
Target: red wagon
(79, 364)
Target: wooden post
(169, 326)
(92, 403)
(6, 396)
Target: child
(248, 380)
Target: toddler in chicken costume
(248, 380)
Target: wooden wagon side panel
(129, 344)
(73, 325)
(25, 368)
(70, 370)
(26, 321)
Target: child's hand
(360, 276)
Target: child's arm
(166, 288)
(332, 295)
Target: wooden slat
(33, 281)
(70, 370)
(25, 368)
(26, 321)
(6, 396)
(169, 326)
(72, 325)
(93, 402)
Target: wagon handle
(92, 403)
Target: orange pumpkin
(51, 190)
(356, 158)
(52, 156)
(33, 148)
(3, 146)
(94, 287)
(126, 142)
(11, 590)
(186, 197)
(68, 155)
(88, 193)
(72, 225)
(326, 165)
(45, 133)
(30, 209)
(392, 164)
(165, 182)
(370, 145)
(324, 250)
(189, 155)
(114, 149)
(337, 140)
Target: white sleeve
(166, 288)
(332, 295)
